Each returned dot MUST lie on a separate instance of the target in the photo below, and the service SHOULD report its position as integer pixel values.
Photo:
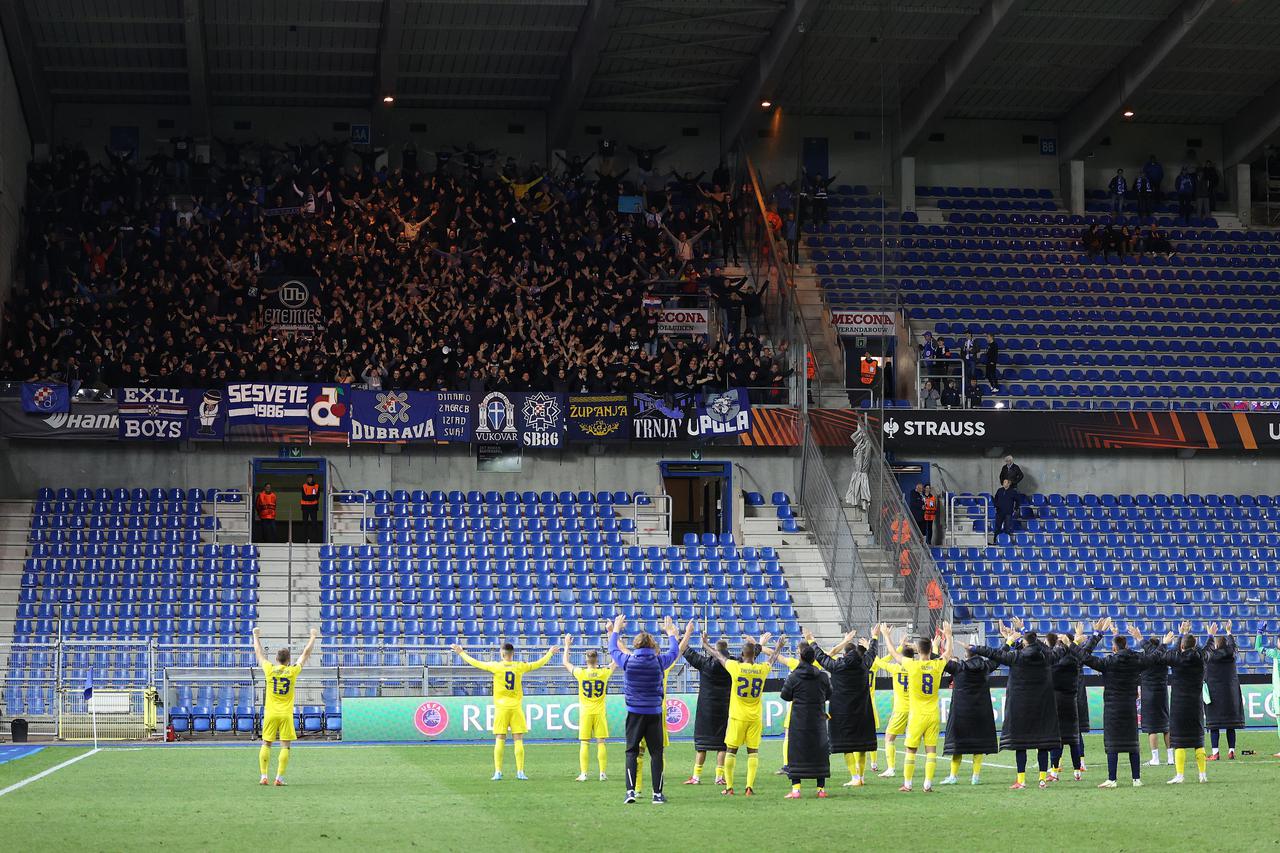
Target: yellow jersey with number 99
(924, 684)
(746, 695)
(281, 681)
(593, 682)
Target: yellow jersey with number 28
(745, 697)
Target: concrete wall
(26, 466)
(15, 152)
(1208, 473)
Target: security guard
(310, 499)
(869, 372)
(265, 508)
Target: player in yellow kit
(508, 700)
(924, 690)
(593, 683)
(746, 706)
(900, 715)
(277, 705)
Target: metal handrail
(962, 509)
(895, 530)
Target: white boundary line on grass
(43, 773)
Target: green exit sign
(695, 455)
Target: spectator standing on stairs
(915, 503)
(1185, 185)
(791, 233)
(1154, 172)
(991, 365)
(1007, 500)
(265, 507)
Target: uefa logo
(677, 715)
(294, 294)
(431, 718)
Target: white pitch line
(43, 773)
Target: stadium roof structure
(1075, 62)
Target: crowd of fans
(477, 274)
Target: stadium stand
(129, 569)
(1191, 330)
(508, 279)
(1154, 559)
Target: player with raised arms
(899, 717)
(508, 700)
(746, 708)
(277, 705)
(593, 721)
(924, 689)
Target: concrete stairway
(288, 590)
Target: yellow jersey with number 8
(746, 695)
(281, 681)
(924, 684)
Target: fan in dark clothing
(1225, 708)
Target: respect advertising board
(557, 717)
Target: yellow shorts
(278, 727)
(509, 718)
(923, 731)
(897, 723)
(594, 725)
(743, 733)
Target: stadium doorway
(699, 496)
(287, 478)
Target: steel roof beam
(1085, 123)
(1246, 134)
(33, 89)
(197, 68)
(579, 66)
(946, 80)
(784, 39)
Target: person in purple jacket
(642, 676)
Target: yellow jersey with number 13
(745, 697)
(281, 681)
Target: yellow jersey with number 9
(924, 684)
(281, 681)
(746, 695)
(593, 682)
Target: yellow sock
(498, 745)
(977, 765)
(859, 763)
(851, 762)
(753, 767)
(909, 767)
(955, 765)
(584, 756)
(719, 771)
(264, 759)
(930, 767)
(282, 763)
(1022, 778)
(730, 765)
(520, 756)
(1043, 775)
(1179, 761)
(786, 742)
(697, 768)
(602, 755)
(868, 759)
(640, 757)
(795, 786)
(890, 753)
(1201, 760)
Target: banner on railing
(250, 411)
(870, 324)
(683, 321)
(290, 304)
(556, 717)
(393, 416)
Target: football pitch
(439, 797)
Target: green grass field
(440, 798)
